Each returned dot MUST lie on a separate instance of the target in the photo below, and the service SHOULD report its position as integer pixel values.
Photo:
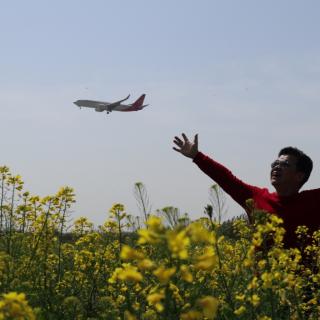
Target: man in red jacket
(288, 173)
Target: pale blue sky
(245, 75)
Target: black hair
(304, 163)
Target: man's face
(284, 173)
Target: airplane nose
(76, 103)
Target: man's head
(291, 170)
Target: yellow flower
(175, 293)
(277, 275)
(145, 264)
(154, 300)
(120, 299)
(313, 301)
(130, 273)
(267, 279)
(247, 263)
(128, 253)
(209, 306)
(208, 260)
(186, 275)
(262, 264)
(257, 240)
(191, 315)
(155, 224)
(199, 233)
(15, 306)
(148, 236)
(240, 297)
(253, 284)
(114, 277)
(255, 300)
(240, 311)
(117, 210)
(129, 316)
(290, 280)
(164, 274)
(178, 243)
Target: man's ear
(300, 177)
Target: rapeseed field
(189, 270)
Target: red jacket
(302, 208)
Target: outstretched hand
(186, 147)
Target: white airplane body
(101, 106)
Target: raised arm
(236, 188)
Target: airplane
(101, 106)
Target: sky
(244, 75)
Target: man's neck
(286, 192)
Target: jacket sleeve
(236, 188)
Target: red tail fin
(138, 103)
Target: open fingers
(196, 140)
(185, 138)
(178, 141)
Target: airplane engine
(98, 109)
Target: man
(288, 173)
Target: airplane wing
(112, 105)
(89, 103)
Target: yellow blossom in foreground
(164, 274)
(153, 233)
(148, 236)
(130, 273)
(178, 243)
(199, 233)
(209, 306)
(207, 260)
(154, 299)
(128, 253)
(191, 315)
(145, 264)
(114, 277)
(155, 224)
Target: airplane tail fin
(138, 104)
